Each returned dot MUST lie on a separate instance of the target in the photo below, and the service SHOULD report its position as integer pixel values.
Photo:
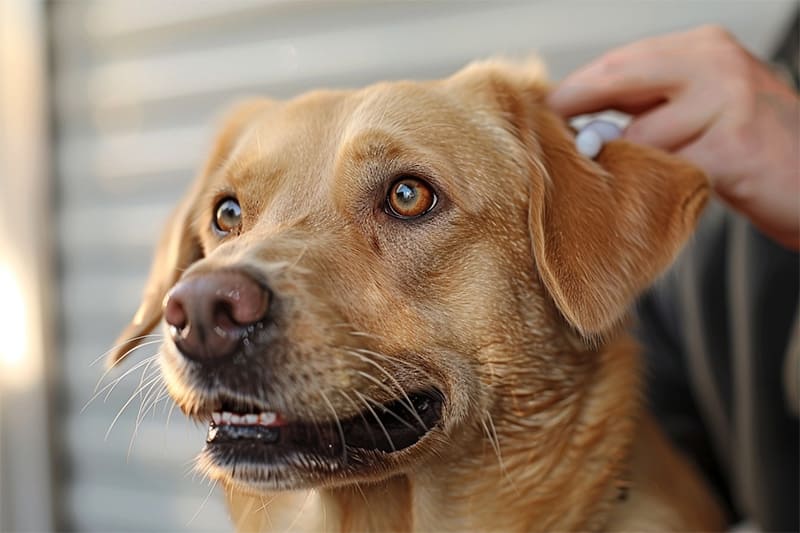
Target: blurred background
(106, 110)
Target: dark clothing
(722, 377)
(722, 343)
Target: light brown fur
(508, 298)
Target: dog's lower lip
(267, 437)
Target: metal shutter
(136, 86)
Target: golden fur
(508, 298)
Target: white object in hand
(591, 138)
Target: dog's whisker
(392, 413)
(324, 509)
(154, 393)
(494, 441)
(203, 504)
(299, 513)
(157, 397)
(114, 383)
(192, 467)
(359, 333)
(294, 263)
(387, 357)
(169, 415)
(127, 403)
(410, 408)
(108, 370)
(265, 505)
(361, 491)
(377, 419)
(123, 343)
(360, 412)
(249, 505)
(338, 423)
(409, 405)
(145, 362)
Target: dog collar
(592, 136)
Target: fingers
(632, 97)
(614, 81)
(673, 124)
(632, 78)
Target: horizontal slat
(99, 507)
(115, 19)
(111, 227)
(172, 448)
(405, 45)
(93, 298)
(110, 157)
(158, 466)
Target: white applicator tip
(588, 142)
(591, 138)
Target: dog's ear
(602, 230)
(180, 244)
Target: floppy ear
(180, 242)
(602, 230)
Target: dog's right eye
(228, 215)
(410, 197)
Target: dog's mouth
(255, 438)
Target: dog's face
(358, 279)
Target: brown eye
(410, 197)
(228, 215)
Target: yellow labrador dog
(398, 309)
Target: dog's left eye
(410, 197)
(227, 215)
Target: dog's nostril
(246, 304)
(174, 312)
(223, 315)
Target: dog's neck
(540, 473)
(518, 470)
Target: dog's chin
(256, 450)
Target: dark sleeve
(668, 386)
(715, 332)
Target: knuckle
(742, 138)
(716, 33)
(740, 94)
(611, 63)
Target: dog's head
(358, 277)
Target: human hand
(702, 96)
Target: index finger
(632, 78)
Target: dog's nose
(209, 313)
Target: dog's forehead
(291, 157)
(302, 137)
(312, 126)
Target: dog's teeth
(266, 419)
(251, 419)
(216, 417)
(236, 419)
(226, 417)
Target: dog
(403, 308)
